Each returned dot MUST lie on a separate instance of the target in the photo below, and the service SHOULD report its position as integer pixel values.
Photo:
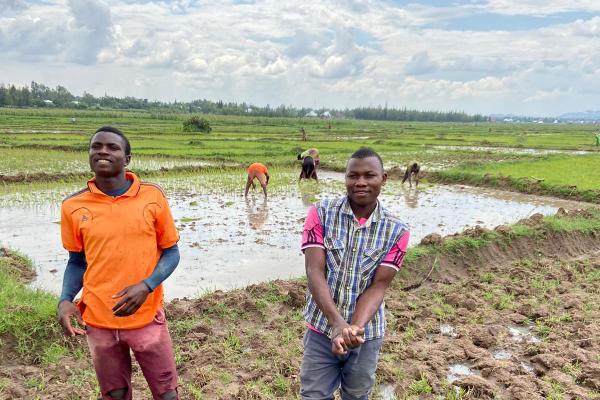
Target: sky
(526, 57)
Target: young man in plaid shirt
(353, 248)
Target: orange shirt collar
(130, 176)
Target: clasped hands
(346, 337)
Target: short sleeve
(395, 256)
(312, 236)
(69, 231)
(166, 231)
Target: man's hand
(132, 299)
(66, 311)
(346, 337)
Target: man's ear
(384, 178)
(127, 160)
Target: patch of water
(523, 334)
(503, 355)
(227, 242)
(448, 330)
(527, 367)
(458, 371)
(513, 150)
(386, 392)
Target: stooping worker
(308, 170)
(259, 172)
(122, 244)
(353, 248)
(314, 153)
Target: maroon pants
(111, 353)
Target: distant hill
(581, 116)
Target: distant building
(326, 114)
(311, 114)
(48, 102)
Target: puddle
(458, 371)
(523, 334)
(527, 367)
(503, 355)
(386, 392)
(227, 242)
(448, 330)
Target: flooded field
(26, 161)
(228, 241)
(512, 150)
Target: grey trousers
(322, 372)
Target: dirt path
(517, 319)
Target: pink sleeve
(313, 230)
(394, 258)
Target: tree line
(40, 95)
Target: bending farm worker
(259, 172)
(353, 248)
(314, 153)
(122, 245)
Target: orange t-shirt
(258, 167)
(123, 238)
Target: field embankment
(512, 312)
(573, 178)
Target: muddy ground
(517, 319)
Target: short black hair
(118, 132)
(366, 152)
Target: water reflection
(411, 197)
(257, 213)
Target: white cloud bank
(315, 53)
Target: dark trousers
(322, 372)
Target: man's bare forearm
(369, 301)
(322, 295)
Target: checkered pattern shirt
(353, 253)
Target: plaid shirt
(353, 253)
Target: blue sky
(481, 56)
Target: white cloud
(47, 33)
(323, 53)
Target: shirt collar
(130, 176)
(375, 216)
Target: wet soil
(517, 319)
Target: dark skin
(108, 162)
(364, 179)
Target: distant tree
(196, 123)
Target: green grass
(580, 171)
(574, 177)
(28, 315)
(420, 387)
(275, 141)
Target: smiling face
(107, 154)
(364, 179)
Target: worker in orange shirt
(122, 244)
(259, 172)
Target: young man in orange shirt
(259, 172)
(122, 244)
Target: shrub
(196, 124)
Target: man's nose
(361, 181)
